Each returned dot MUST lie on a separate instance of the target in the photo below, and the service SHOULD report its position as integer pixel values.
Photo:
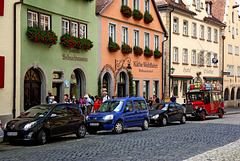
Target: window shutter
(1, 7)
(2, 64)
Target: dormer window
(209, 8)
(176, 1)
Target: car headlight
(29, 125)
(155, 116)
(108, 117)
(196, 107)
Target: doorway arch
(107, 82)
(226, 94)
(122, 84)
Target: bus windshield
(193, 97)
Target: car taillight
(0, 123)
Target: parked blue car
(120, 113)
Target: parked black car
(163, 113)
(44, 121)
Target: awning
(182, 77)
(212, 78)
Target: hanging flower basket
(148, 52)
(37, 35)
(126, 49)
(112, 46)
(126, 11)
(68, 41)
(157, 54)
(137, 15)
(148, 18)
(137, 50)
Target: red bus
(204, 99)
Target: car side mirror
(53, 115)
(127, 110)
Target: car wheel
(164, 121)
(81, 132)
(183, 119)
(92, 132)
(118, 128)
(42, 137)
(220, 114)
(145, 124)
(203, 115)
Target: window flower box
(126, 11)
(112, 46)
(148, 18)
(137, 15)
(157, 54)
(37, 35)
(68, 41)
(126, 49)
(148, 52)
(138, 50)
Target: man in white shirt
(105, 96)
(88, 104)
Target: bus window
(215, 97)
(206, 98)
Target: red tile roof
(218, 9)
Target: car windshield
(36, 112)
(159, 107)
(194, 97)
(111, 106)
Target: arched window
(226, 94)
(238, 93)
(232, 94)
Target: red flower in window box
(148, 18)
(148, 52)
(137, 15)
(112, 46)
(47, 37)
(126, 11)
(137, 50)
(126, 49)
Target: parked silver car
(1, 133)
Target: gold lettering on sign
(144, 64)
(73, 58)
(145, 71)
(186, 70)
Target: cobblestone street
(212, 139)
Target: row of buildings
(82, 46)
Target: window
(65, 27)
(238, 71)
(229, 49)
(215, 35)
(136, 88)
(176, 1)
(229, 28)
(45, 22)
(198, 4)
(155, 87)
(32, 18)
(112, 31)
(60, 111)
(83, 31)
(238, 93)
(124, 35)
(175, 25)
(137, 105)
(226, 94)
(135, 4)
(185, 56)
(201, 5)
(209, 33)
(230, 68)
(194, 29)
(194, 57)
(146, 39)
(143, 104)
(74, 29)
(156, 42)
(124, 2)
(185, 27)
(236, 50)
(175, 54)
(201, 58)
(208, 8)
(232, 17)
(194, 2)
(146, 91)
(208, 58)
(129, 105)
(175, 87)
(202, 32)
(146, 6)
(185, 84)
(135, 38)
(232, 94)
(233, 32)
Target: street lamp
(129, 68)
(171, 70)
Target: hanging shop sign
(73, 58)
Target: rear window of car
(137, 105)
(143, 103)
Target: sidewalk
(232, 110)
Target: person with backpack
(97, 104)
(89, 104)
(105, 96)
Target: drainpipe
(15, 57)
(170, 49)
(163, 66)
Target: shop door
(121, 90)
(56, 91)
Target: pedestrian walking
(47, 98)
(52, 100)
(89, 104)
(97, 104)
(149, 102)
(82, 102)
(90, 96)
(105, 96)
(155, 99)
(66, 99)
(173, 98)
(74, 100)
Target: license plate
(94, 124)
(11, 133)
